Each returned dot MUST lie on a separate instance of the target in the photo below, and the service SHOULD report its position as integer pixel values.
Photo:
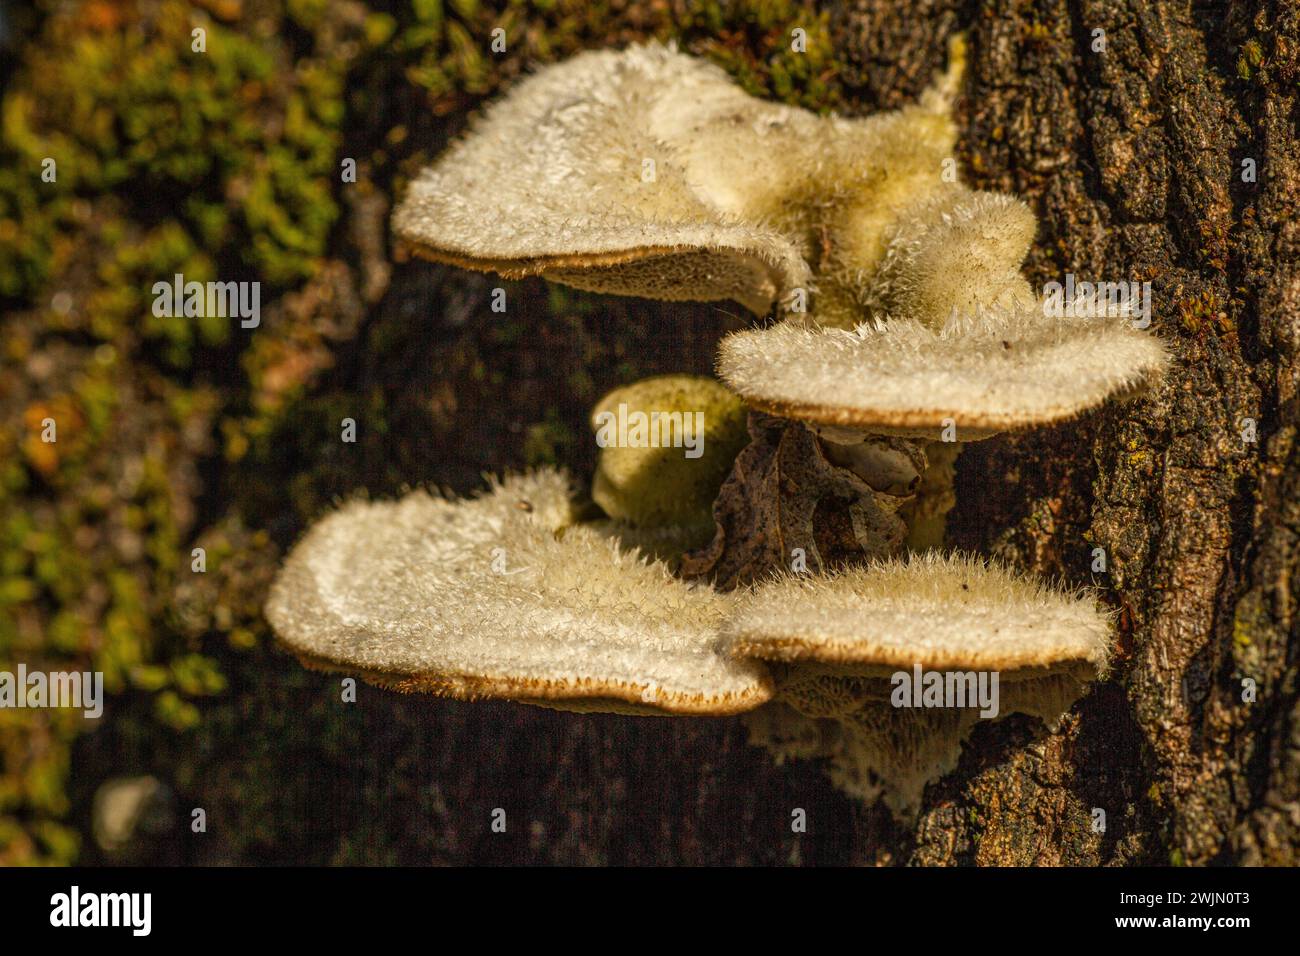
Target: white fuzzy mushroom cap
(994, 371)
(941, 612)
(504, 596)
(553, 180)
(649, 172)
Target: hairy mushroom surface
(998, 371)
(952, 335)
(505, 596)
(647, 172)
(635, 173)
(948, 612)
(843, 646)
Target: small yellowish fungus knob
(667, 444)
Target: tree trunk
(1133, 129)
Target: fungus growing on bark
(953, 347)
(979, 373)
(505, 595)
(844, 647)
(941, 612)
(873, 749)
(636, 173)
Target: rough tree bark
(1133, 157)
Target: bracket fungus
(512, 595)
(588, 173)
(982, 373)
(505, 595)
(936, 611)
(635, 173)
(961, 639)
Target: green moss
(755, 41)
(1240, 633)
(451, 56)
(548, 442)
(1206, 312)
(213, 164)
(1250, 58)
(244, 153)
